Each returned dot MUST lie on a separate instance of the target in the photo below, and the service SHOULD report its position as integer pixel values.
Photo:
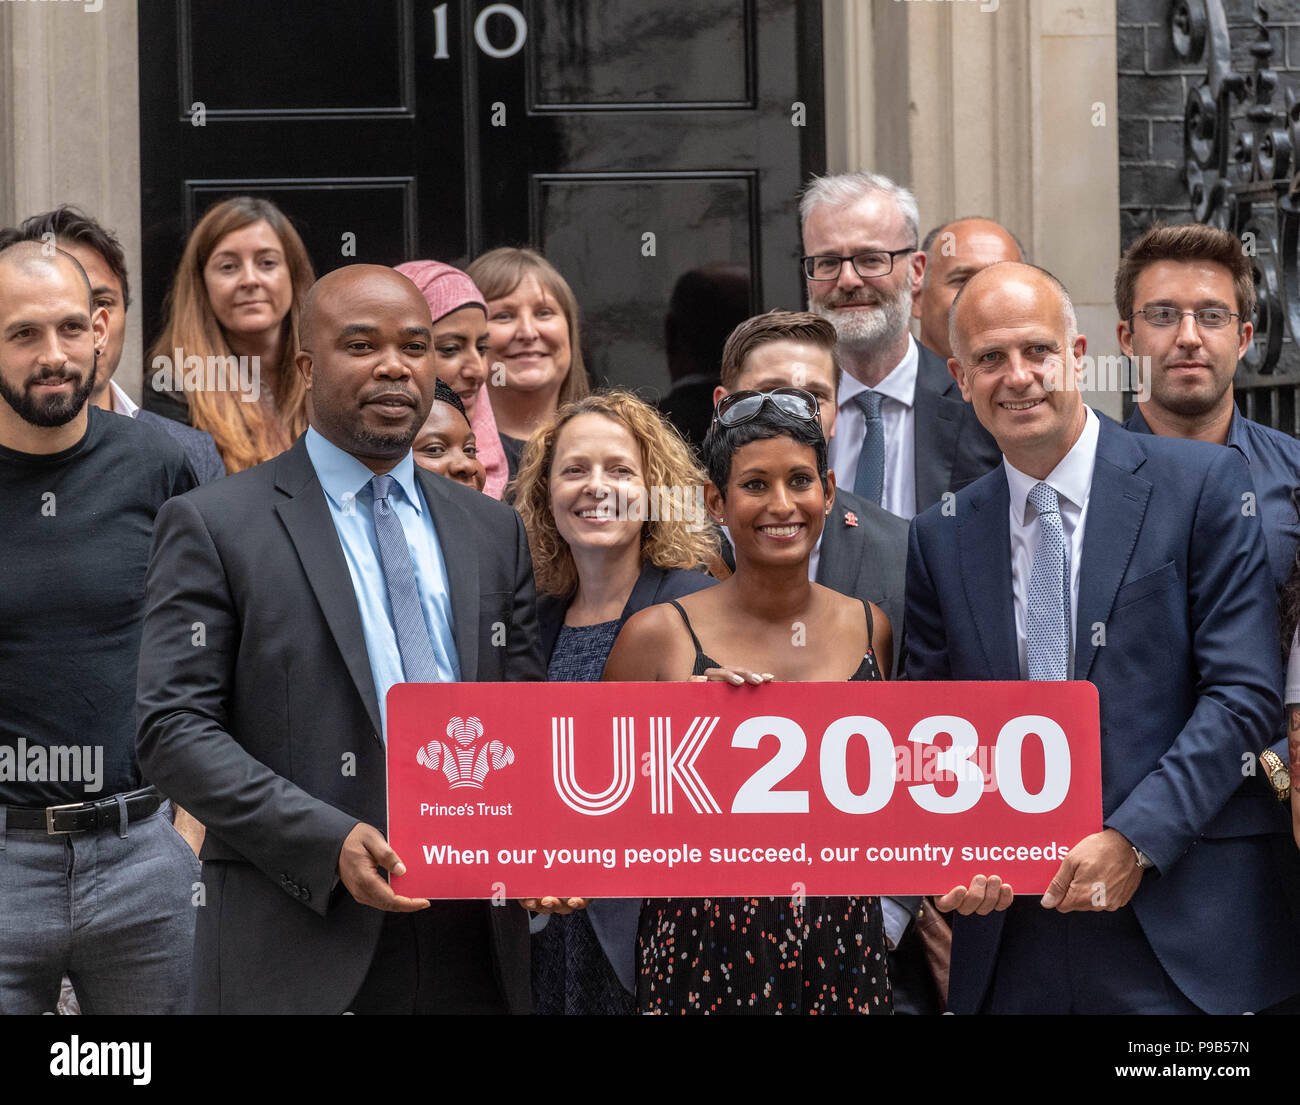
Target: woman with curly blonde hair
(612, 500)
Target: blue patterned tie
(413, 643)
(869, 482)
(1047, 614)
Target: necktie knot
(869, 403)
(380, 488)
(1044, 499)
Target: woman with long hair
(770, 486)
(608, 492)
(226, 351)
(534, 354)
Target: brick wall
(1153, 87)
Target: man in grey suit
(906, 437)
(282, 603)
(100, 254)
(863, 548)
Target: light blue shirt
(344, 478)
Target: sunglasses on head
(743, 406)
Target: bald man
(1126, 560)
(269, 724)
(954, 252)
(94, 881)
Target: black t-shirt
(75, 532)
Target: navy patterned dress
(571, 974)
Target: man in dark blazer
(906, 437)
(1127, 561)
(274, 627)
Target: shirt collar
(1237, 434)
(899, 385)
(122, 403)
(343, 476)
(1071, 478)
(1237, 430)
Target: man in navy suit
(1093, 553)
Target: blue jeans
(111, 909)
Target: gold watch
(1277, 773)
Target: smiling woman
(607, 541)
(770, 485)
(534, 354)
(236, 299)
(459, 346)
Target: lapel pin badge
(850, 519)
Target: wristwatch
(1143, 860)
(1277, 773)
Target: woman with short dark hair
(771, 487)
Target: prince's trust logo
(467, 760)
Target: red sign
(624, 790)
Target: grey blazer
(952, 448)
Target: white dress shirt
(122, 403)
(1072, 482)
(897, 412)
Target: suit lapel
(838, 559)
(937, 421)
(451, 521)
(1117, 504)
(984, 548)
(306, 517)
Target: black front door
(629, 140)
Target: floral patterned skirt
(762, 955)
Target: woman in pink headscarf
(459, 338)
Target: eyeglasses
(743, 406)
(1207, 318)
(874, 262)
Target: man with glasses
(906, 436)
(1186, 296)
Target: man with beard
(94, 881)
(100, 255)
(321, 578)
(905, 436)
(1186, 296)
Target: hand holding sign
(364, 852)
(1100, 874)
(985, 896)
(554, 905)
